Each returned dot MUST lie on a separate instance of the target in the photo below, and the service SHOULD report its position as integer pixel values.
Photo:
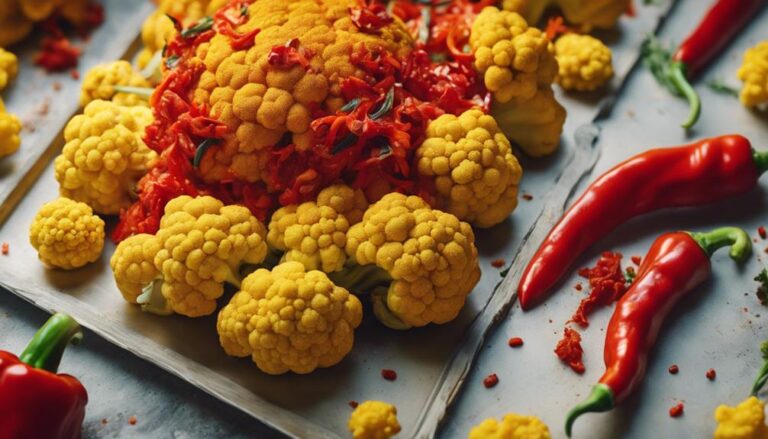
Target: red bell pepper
(675, 265)
(701, 173)
(35, 402)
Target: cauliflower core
(289, 319)
(200, 245)
(104, 155)
(585, 63)
(66, 234)
(9, 67)
(100, 82)
(374, 420)
(754, 74)
(745, 421)
(512, 426)
(471, 161)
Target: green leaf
(205, 23)
(385, 106)
(201, 149)
(350, 106)
(718, 85)
(762, 289)
(657, 58)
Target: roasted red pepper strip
(723, 21)
(702, 173)
(676, 264)
(36, 402)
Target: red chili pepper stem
(599, 400)
(678, 76)
(47, 346)
(761, 161)
(738, 239)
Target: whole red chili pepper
(36, 402)
(723, 21)
(675, 264)
(701, 173)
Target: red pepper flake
(673, 369)
(132, 420)
(578, 287)
(57, 86)
(711, 374)
(288, 55)
(497, 263)
(74, 74)
(761, 232)
(491, 381)
(569, 350)
(607, 283)
(353, 404)
(676, 411)
(527, 197)
(636, 260)
(104, 421)
(515, 342)
(388, 374)
(5, 248)
(370, 19)
(57, 54)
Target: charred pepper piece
(724, 166)
(33, 392)
(676, 264)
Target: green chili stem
(761, 160)
(145, 92)
(738, 239)
(599, 400)
(761, 379)
(677, 73)
(45, 349)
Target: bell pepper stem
(738, 239)
(677, 74)
(45, 349)
(761, 160)
(599, 400)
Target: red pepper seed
(677, 410)
(132, 420)
(515, 342)
(388, 374)
(6, 248)
(711, 374)
(636, 260)
(497, 263)
(353, 404)
(761, 231)
(491, 381)
(579, 287)
(673, 369)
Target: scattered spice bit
(497, 263)
(104, 421)
(745, 309)
(762, 289)
(491, 381)
(57, 54)
(711, 374)
(569, 350)
(74, 74)
(636, 260)
(56, 86)
(5, 248)
(673, 369)
(132, 420)
(44, 108)
(766, 250)
(353, 404)
(607, 283)
(761, 232)
(515, 342)
(676, 411)
(388, 374)
(631, 114)
(527, 197)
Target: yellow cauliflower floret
(515, 59)
(425, 258)
(754, 74)
(9, 67)
(104, 155)
(314, 233)
(585, 63)
(66, 234)
(10, 127)
(471, 161)
(587, 14)
(261, 102)
(535, 125)
(374, 420)
(289, 319)
(512, 426)
(100, 82)
(200, 245)
(745, 421)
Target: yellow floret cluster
(201, 245)
(66, 234)
(475, 173)
(754, 74)
(17, 17)
(104, 155)
(586, 14)
(290, 319)
(315, 233)
(9, 67)
(374, 420)
(745, 421)
(585, 63)
(260, 102)
(512, 426)
(100, 82)
(10, 127)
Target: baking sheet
(316, 405)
